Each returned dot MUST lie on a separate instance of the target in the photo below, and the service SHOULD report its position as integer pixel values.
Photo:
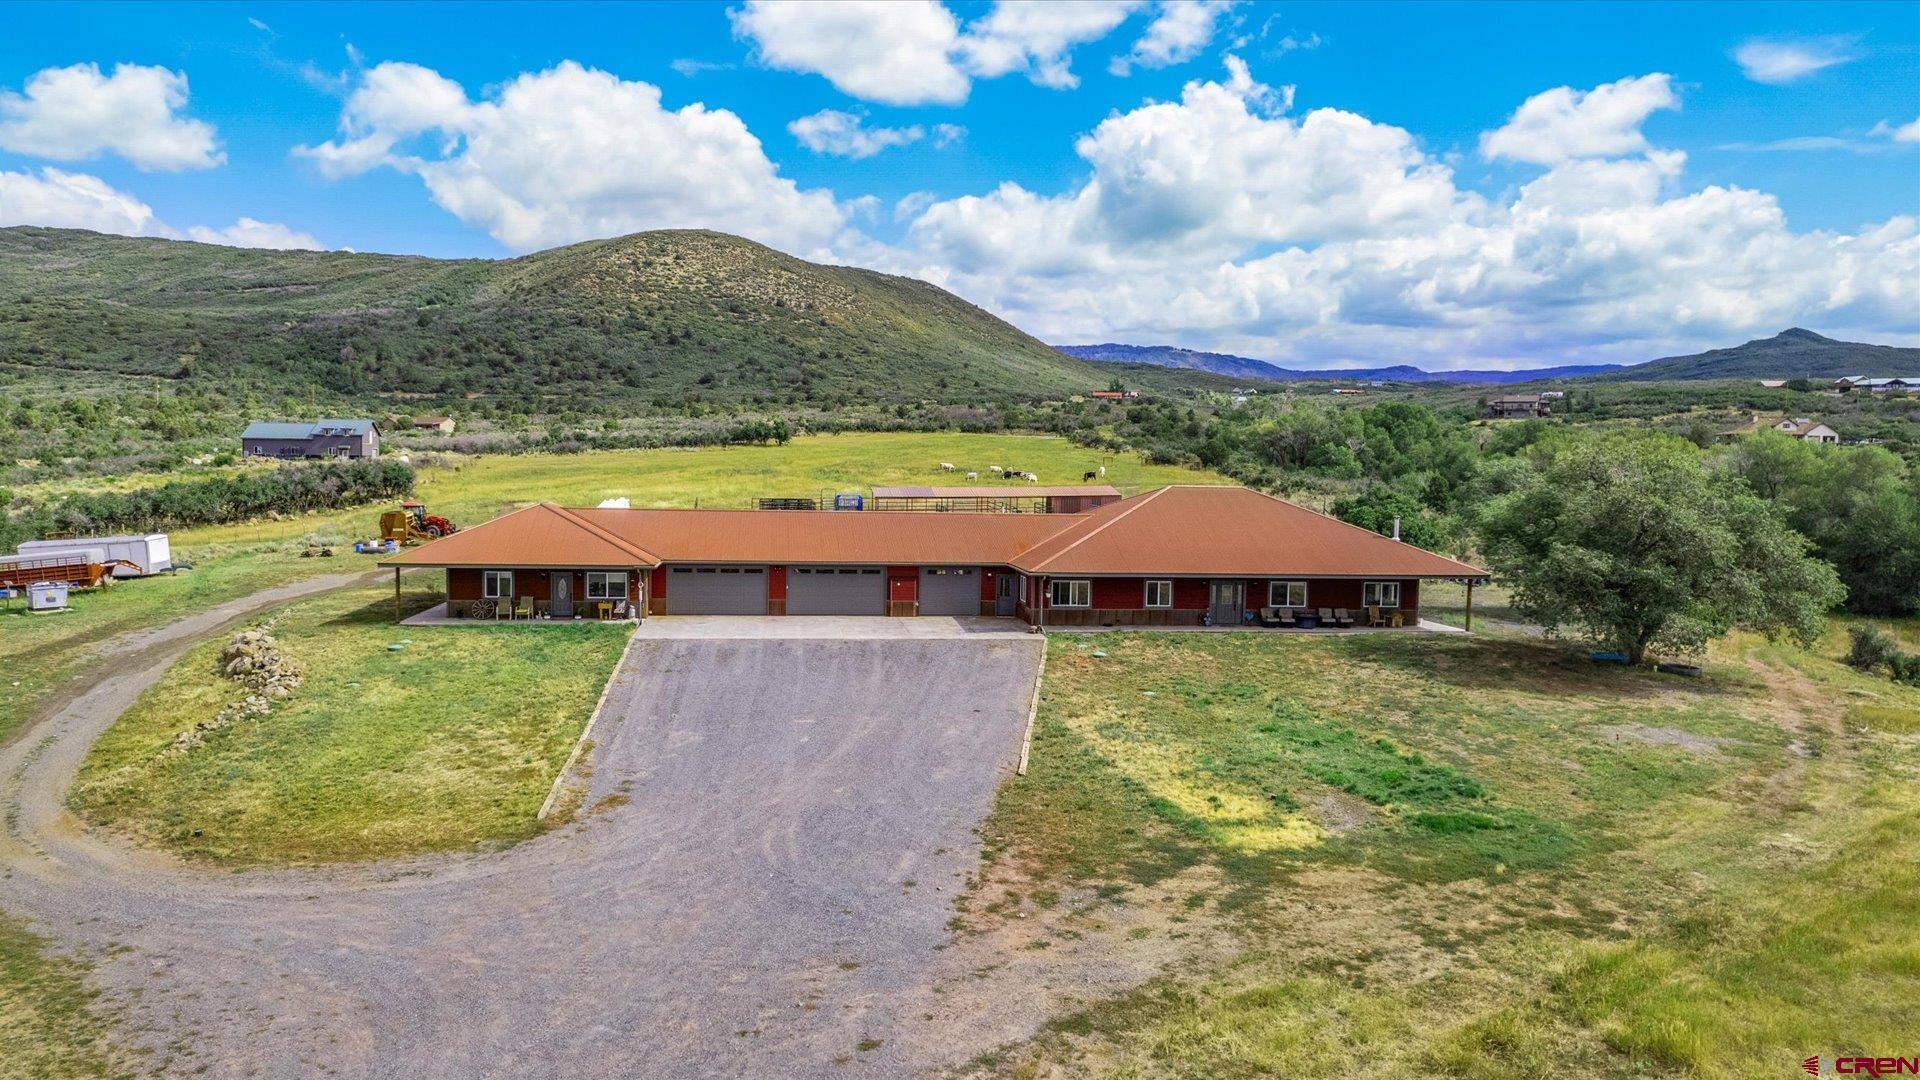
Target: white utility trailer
(149, 552)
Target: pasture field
(1475, 857)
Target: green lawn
(452, 741)
(1469, 857)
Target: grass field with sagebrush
(1478, 857)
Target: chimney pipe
(1396, 526)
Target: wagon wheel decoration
(483, 609)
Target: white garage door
(949, 590)
(717, 590)
(836, 590)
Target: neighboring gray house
(320, 439)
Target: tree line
(211, 500)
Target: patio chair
(1342, 617)
(498, 609)
(1269, 616)
(523, 608)
(1287, 620)
(1374, 618)
(1326, 617)
(620, 609)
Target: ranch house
(1174, 556)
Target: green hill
(649, 317)
(1790, 354)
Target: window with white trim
(1380, 594)
(1159, 594)
(1288, 594)
(496, 584)
(606, 585)
(1072, 593)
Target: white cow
(972, 476)
(1103, 472)
(947, 466)
(993, 468)
(1031, 479)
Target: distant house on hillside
(1518, 407)
(1348, 390)
(1799, 428)
(1877, 386)
(1114, 395)
(326, 438)
(441, 424)
(1773, 384)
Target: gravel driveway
(760, 884)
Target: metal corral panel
(949, 590)
(717, 590)
(836, 590)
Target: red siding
(903, 584)
(776, 583)
(659, 589)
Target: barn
(1174, 556)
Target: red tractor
(412, 524)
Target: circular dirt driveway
(776, 831)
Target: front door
(1228, 602)
(1004, 597)
(562, 596)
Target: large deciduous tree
(1631, 542)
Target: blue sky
(1449, 185)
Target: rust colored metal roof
(1191, 531)
(1023, 491)
(827, 536)
(1176, 531)
(538, 535)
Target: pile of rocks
(252, 659)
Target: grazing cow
(972, 476)
(946, 466)
(1086, 476)
(993, 468)
(1103, 472)
(1031, 479)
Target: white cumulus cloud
(572, 153)
(1180, 29)
(915, 52)
(249, 233)
(845, 134)
(895, 51)
(75, 113)
(1778, 62)
(1220, 221)
(1563, 123)
(1037, 36)
(65, 200)
(68, 200)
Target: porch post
(396, 594)
(1469, 605)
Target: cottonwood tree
(1631, 542)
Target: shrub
(1872, 649)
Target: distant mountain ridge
(1241, 367)
(1795, 353)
